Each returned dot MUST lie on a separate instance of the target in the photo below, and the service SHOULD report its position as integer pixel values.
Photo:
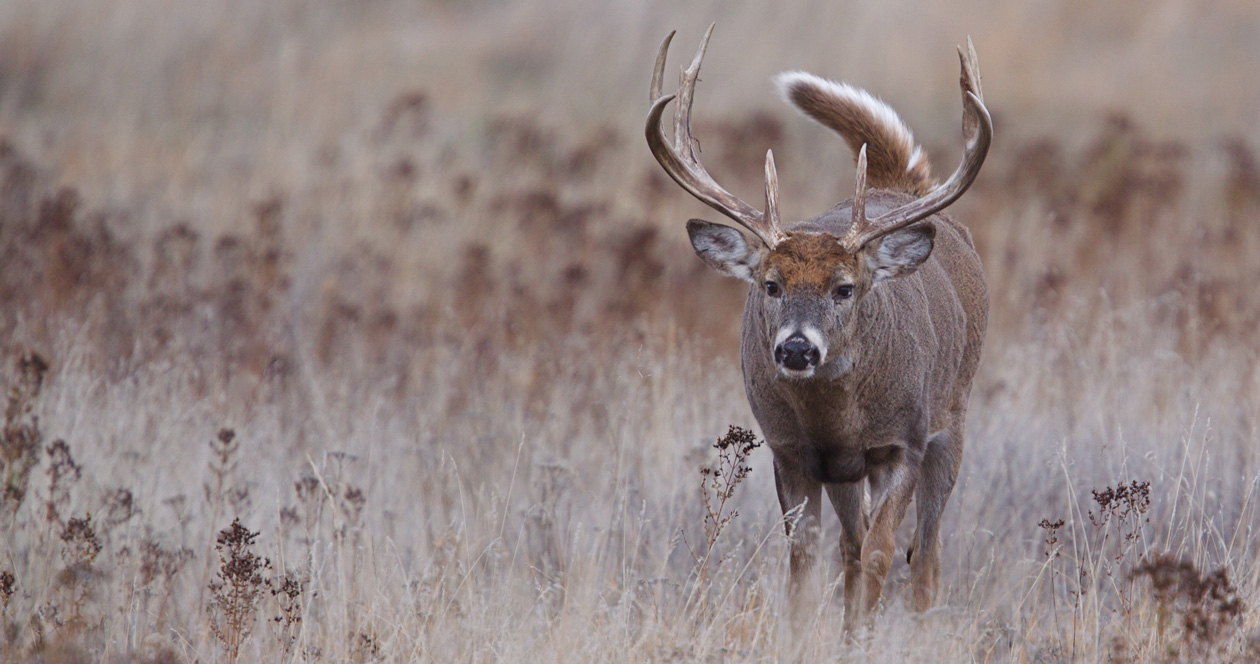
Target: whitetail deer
(862, 329)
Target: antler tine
(658, 73)
(771, 217)
(681, 160)
(684, 142)
(969, 81)
(860, 223)
(970, 78)
(977, 129)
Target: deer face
(809, 285)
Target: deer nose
(797, 353)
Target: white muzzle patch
(813, 336)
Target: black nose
(796, 353)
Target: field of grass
(370, 332)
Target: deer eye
(773, 289)
(843, 292)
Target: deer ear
(901, 252)
(724, 249)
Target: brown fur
(809, 261)
(888, 162)
(894, 418)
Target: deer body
(862, 329)
(898, 384)
(896, 378)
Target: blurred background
(406, 158)
(426, 237)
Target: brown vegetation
(460, 372)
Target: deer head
(811, 281)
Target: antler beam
(682, 161)
(977, 129)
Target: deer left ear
(901, 252)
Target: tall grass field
(370, 332)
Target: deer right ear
(724, 249)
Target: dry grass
(369, 332)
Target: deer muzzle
(798, 353)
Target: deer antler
(977, 129)
(682, 161)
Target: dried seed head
(8, 586)
(81, 543)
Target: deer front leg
(798, 491)
(936, 481)
(849, 501)
(894, 485)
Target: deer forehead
(810, 260)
